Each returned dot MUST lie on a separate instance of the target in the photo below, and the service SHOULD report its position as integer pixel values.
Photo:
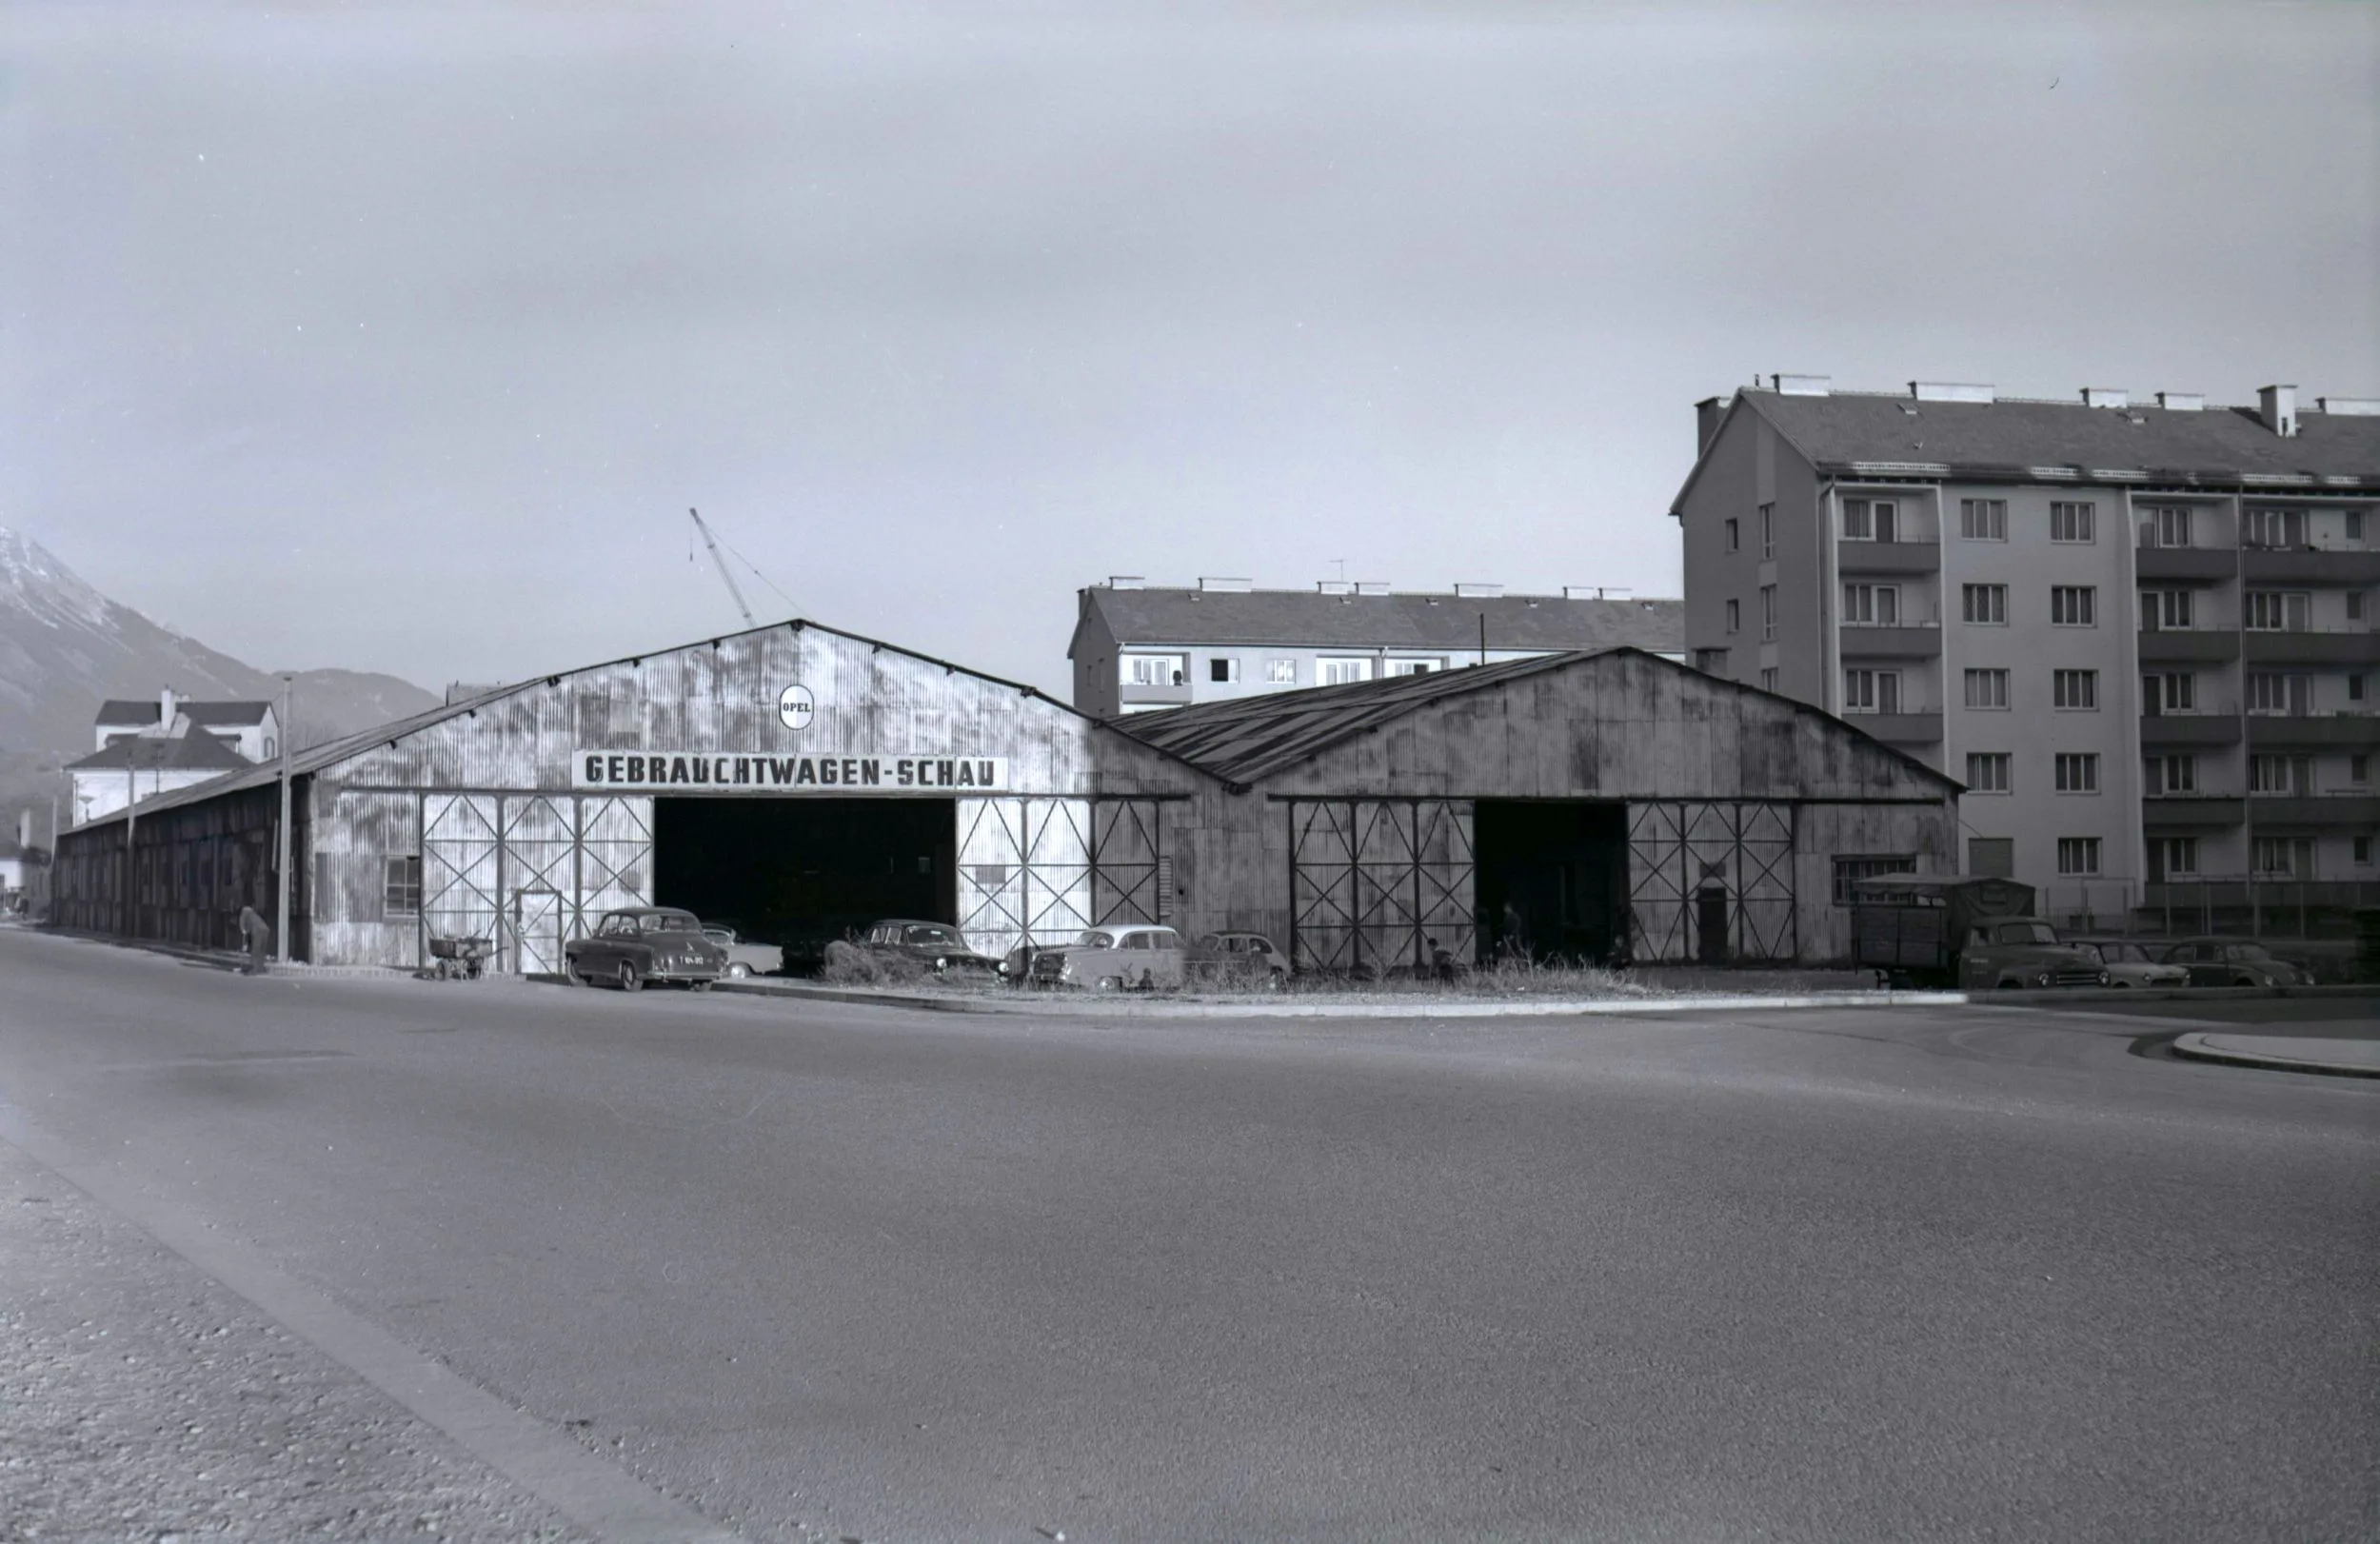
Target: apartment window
(2170, 524)
(1341, 672)
(2167, 611)
(2175, 774)
(1866, 867)
(2355, 525)
(2169, 692)
(1871, 691)
(2354, 612)
(2288, 695)
(1985, 604)
(1768, 679)
(1735, 615)
(1987, 771)
(1986, 689)
(1735, 534)
(1767, 611)
(1280, 672)
(2363, 851)
(1154, 669)
(2077, 772)
(2078, 854)
(2073, 606)
(1222, 667)
(1983, 520)
(2172, 857)
(2282, 857)
(2074, 690)
(2359, 769)
(401, 887)
(1415, 667)
(1871, 605)
(2280, 774)
(1991, 857)
(1767, 530)
(2072, 522)
(1870, 519)
(1711, 661)
(2272, 528)
(2278, 611)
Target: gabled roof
(116, 711)
(314, 757)
(163, 752)
(1250, 739)
(2026, 441)
(1443, 624)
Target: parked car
(2130, 963)
(745, 956)
(1238, 959)
(2234, 962)
(938, 946)
(644, 943)
(1108, 958)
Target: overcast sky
(402, 338)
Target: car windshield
(720, 935)
(2130, 954)
(1094, 941)
(668, 921)
(936, 936)
(2027, 932)
(2251, 951)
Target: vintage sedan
(938, 946)
(745, 956)
(639, 945)
(1109, 958)
(1238, 959)
(2131, 963)
(2234, 962)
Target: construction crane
(722, 567)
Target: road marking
(597, 1495)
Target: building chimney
(2182, 401)
(1334, 586)
(1802, 385)
(165, 711)
(1480, 592)
(1226, 587)
(1371, 586)
(2277, 405)
(1708, 414)
(1951, 391)
(2105, 397)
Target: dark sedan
(644, 943)
(938, 946)
(2233, 963)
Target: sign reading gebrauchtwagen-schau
(691, 771)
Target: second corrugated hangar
(805, 781)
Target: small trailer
(1914, 927)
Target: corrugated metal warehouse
(800, 781)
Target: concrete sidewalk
(2284, 1053)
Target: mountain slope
(63, 647)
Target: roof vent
(1480, 592)
(1334, 587)
(1127, 582)
(2105, 397)
(1802, 385)
(1226, 587)
(1371, 586)
(1949, 391)
(2349, 406)
(1595, 592)
(2277, 406)
(2182, 401)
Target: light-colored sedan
(2130, 963)
(744, 957)
(1108, 958)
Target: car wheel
(700, 986)
(629, 980)
(2120, 985)
(2011, 986)
(1111, 984)
(738, 970)
(2244, 980)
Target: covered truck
(1943, 930)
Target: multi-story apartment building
(1139, 648)
(2141, 634)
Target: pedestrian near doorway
(256, 934)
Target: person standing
(257, 935)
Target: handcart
(455, 960)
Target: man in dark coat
(257, 934)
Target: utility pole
(281, 923)
(132, 792)
(721, 564)
(1483, 637)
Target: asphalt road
(846, 1272)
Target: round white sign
(794, 706)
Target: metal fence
(2243, 907)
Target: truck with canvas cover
(1940, 930)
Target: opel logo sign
(794, 707)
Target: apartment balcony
(1888, 557)
(1918, 643)
(2310, 566)
(2271, 731)
(2188, 646)
(2187, 731)
(2339, 647)
(2327, 812)
(1899, 729)
(2185, 562)
(1142, 694)
(2191, 812)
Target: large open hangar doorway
(1553, 879)
(801, 872)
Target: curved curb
(2235, 1051)
(1057, 1007)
